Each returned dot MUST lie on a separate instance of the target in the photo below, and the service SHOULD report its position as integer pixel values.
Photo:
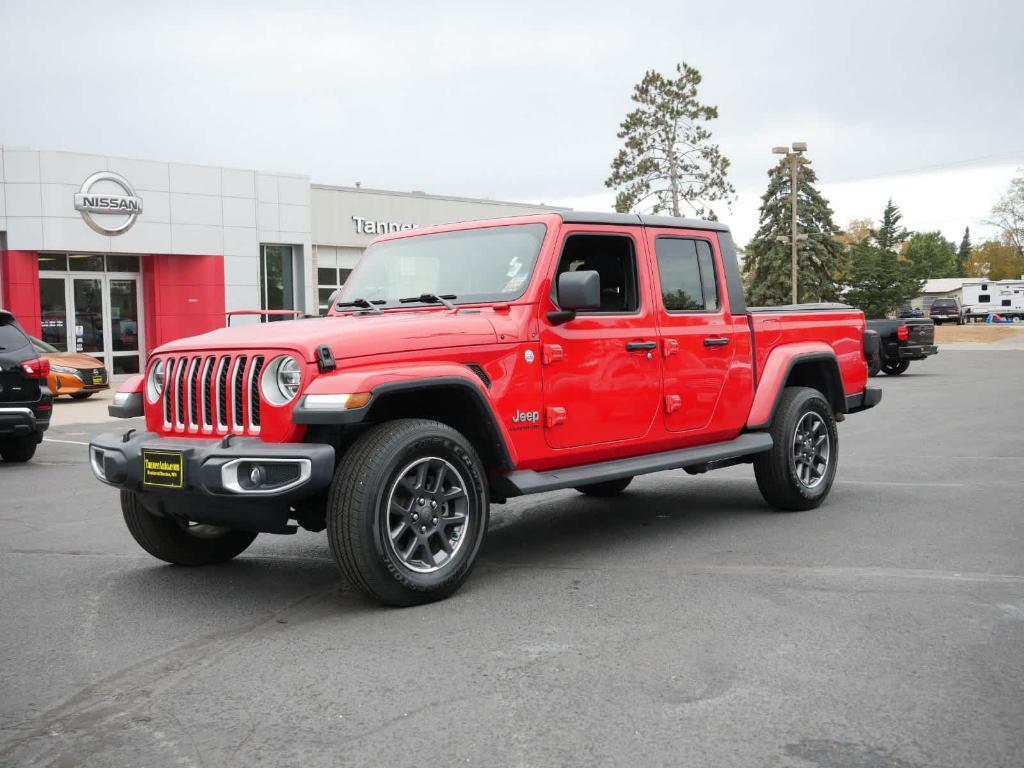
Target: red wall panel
(183, 296)
(19, 273)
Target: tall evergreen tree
(767, 265)
(963, 255)
(890, 234)
(877, 280)
(668, 163)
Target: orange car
(72, 373)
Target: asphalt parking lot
(680, 624)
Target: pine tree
(890, 234)
(963, 255)
(877, 280)
(668, 163)
(767, 265)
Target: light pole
(794, 159)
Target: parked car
(945, 310)
(25, 401)
(469, 363)
(901, 341)
(72, 373)
(910, 312)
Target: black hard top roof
(647, 220)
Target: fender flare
(466, 384)
(781, 362)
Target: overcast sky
(921, 101)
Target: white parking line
(68, 442)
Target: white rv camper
(980, 298)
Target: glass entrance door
(96, 314)
(123, 300)
(87, 329)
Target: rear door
(601, 371)
(697, 336)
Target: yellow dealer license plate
(163, 469)
(97, 379)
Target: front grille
(212, 393)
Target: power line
(922, 170)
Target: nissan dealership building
(113, 257)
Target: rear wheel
(17, 450)
(81, 395)
(181, 542)
(798, 471)
(874, 366)
(895, 368)
(408, 511)
(605, 489)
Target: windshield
(474, 265)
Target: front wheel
(798, 471)
(18, 450)
(895, 368)
(408, 511)
(181, 542)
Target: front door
(94, 314)
(601, 371)
(697, 343)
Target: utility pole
(794, 159)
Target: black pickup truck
(900, 341)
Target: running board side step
(527, 481)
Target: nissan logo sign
(106, 213)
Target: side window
(613, 257)
(687, 270)
(984, 298)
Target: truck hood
(349, 335)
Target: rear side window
(11, 337)
(687, 270)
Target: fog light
(257, 475)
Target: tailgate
(921, 333)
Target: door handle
(716, 341)
(636, 346)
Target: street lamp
(794, 159)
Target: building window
(87, 262)
(277, 286)
(328, 280)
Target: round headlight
(155, 381)
(281, 380)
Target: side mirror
(576, 290)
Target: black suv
(25, 401)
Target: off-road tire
(895, 368)
(775, 470)
(168, 540)
(605, 489)
(81, 395)
(361, 487)
(874, 367)
(17, 450)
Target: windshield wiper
(431, 298)
(363, 304)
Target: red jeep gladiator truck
(465, 364)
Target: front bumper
(16, 421)
(214, 468)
